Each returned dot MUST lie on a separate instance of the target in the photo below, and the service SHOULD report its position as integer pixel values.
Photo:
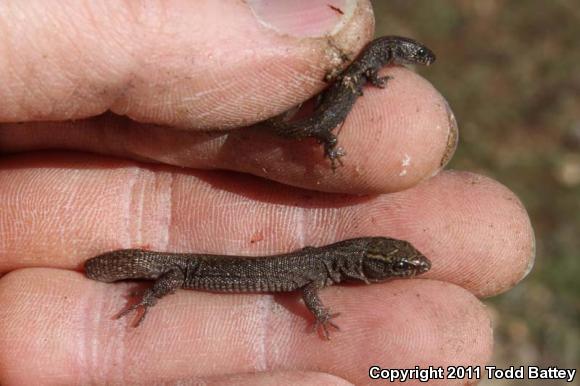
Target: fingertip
(394, 138)
(296, 378)
(485, 238)
(400, 136)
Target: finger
(394, 138)
(193, 64)
(474, 230)
(297, 378)
(400, 324)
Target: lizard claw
(335, 156)
(145, 303)
(321, 325)
(331, 149)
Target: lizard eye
(421, 52)
(400, 266)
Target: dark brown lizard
(334, 103)
(366, 259)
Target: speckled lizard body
(366, 259)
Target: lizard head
(410, 51)
(387, 258)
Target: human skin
(134, 180)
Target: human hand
(205, 64)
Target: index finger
(394, 138)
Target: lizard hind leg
(166, 284)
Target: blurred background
(510, 71)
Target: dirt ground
(509, 70)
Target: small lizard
(366, 259)
(334, 103)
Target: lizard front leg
(376, 80)
(314, 304)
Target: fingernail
(532, 259)
(452, 137)
(303, 18)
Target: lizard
(366, 259)
(336, 101)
